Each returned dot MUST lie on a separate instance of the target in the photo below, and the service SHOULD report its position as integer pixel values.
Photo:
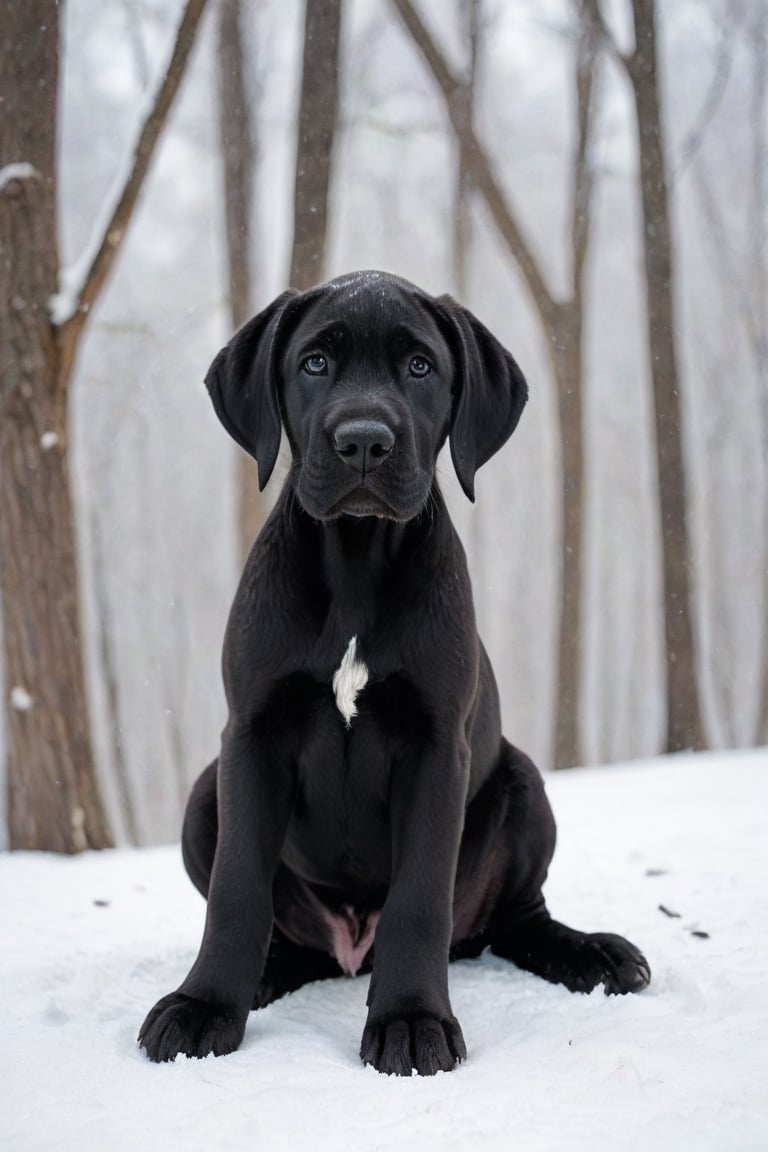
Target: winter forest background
(158, 484)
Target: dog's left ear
(242, 382)
(489, 392)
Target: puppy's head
(369, 375)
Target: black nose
(363, 444)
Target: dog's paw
(579, 960)
(585, 960)
(183, 1024)
(425, 1045)
(618, 965)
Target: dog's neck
(358, 551)
(361, 562)
(361, 554)
(355, 570)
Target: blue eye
(419, 366)
(315, 365)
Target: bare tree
(562, 320)
(108, 670)
(684, 723)
(54, 796)
(759, 230)
(237, 136)
(318, 113)
(470, 12)
(238, 152)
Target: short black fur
(409, 832)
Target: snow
(63, 304)
(19, 171)
(21, 699)
(91, 942)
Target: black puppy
(365, 811)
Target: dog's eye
(419, 366)
(315, 365)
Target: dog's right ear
(242, 382)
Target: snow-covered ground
(89, 944)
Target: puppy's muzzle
(363, 444)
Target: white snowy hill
(670, 852)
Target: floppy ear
(489, 392)
(242, 382)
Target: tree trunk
(108, 669)
(53, 796)
(238, 156)
(759, 231)
(469, 10)
(566, 353)
(684, 725)
(317, 126)
(237, 143)
(54, 799)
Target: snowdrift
(669, 852)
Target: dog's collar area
(349, 679)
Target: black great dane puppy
(365, 811)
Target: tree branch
(436, 61)
(694, 137)
(594, 13)
(110, 240)
(483, 176)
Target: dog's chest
(350, 733)
(359, 720)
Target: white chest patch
(350, 677)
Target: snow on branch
(19, 171)
(82, 283)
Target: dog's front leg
(410, 1023)
(208, 1011)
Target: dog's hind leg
(521, 928)
(200, 829)
(579, 960)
